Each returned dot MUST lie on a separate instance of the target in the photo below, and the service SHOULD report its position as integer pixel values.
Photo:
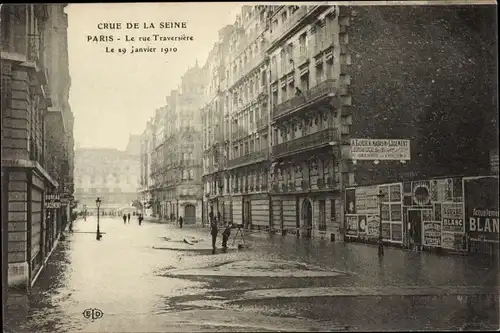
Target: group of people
(126, 217)
(214, 230)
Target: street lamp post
(98, 234)
(380, 197)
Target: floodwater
(274, 284)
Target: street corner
(260, 268)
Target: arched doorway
(307, 218)
(189, 214)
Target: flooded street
(275, 284)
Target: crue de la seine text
(138, 25)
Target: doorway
(307, 218)
(189, 214)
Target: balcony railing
(282, 29)
(255, 156)
(321, 90)
(306, 142)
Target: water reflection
(123, 276)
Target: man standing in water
(213, 231)
(128, 216)
(124, 218)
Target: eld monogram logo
(93, 314)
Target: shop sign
(452, 217)
(52, 200)
(380, 149)
(481, 208)
(432, 233)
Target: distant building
(110, 174)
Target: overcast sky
(113, 95)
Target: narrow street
(276, 284)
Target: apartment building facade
(175, 142)
(215, 133)
(309, 108)
(37, 135)
(246, 117)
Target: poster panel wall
(481, 208)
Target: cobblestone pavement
(275, 283)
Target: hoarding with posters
(481, 208)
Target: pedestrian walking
(213, 231)
(140, 218)
(225, 236)
(128, 216)
(219, 217)
(124, 218)
(180, 221)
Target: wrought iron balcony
(312, 95)
(249, 158)
(305, 143)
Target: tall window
(322, 217)
(283, 62)
(333, 212)
(302, 43)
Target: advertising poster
(395, 194)
(396, 232)
(452, 217)
(452, 241)
(386, 231)
(421, 193)
(432, 233)
(385, 212)
(362, 224)
(372, 225)
(366, 200)
(350, 201)
(481, 208)
(352, 225)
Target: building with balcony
(110, 174)
(37, 135)
(307, 96)
(176, 151)
(246, 118)
(159, 151)
(215, 142)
